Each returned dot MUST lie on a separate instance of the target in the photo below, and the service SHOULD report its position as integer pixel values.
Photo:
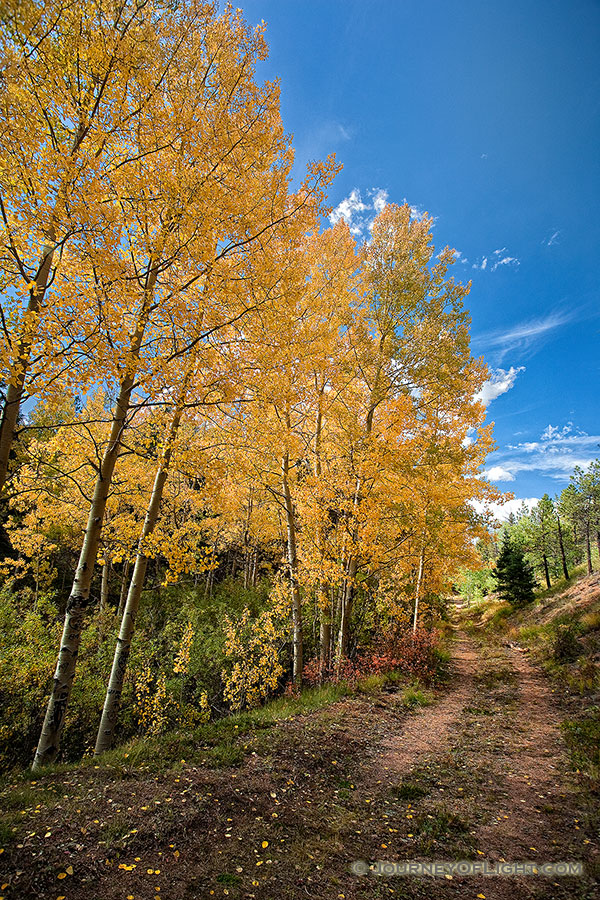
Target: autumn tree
(75, 78)
(210, 140)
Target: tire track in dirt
(538, 818)
(434, 727)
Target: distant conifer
(514, 575)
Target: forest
(261, 635)
(237, 447)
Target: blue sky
(486, 115)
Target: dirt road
(480, 774)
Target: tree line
(558, 534)
(202, 383)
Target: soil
(481, 774)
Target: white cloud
(359, 210)
(554, 433)
(506, 261)
(416, 211)
(500, 382)
(500, 260)
(554, 455)
(502, 511)
(348, 208)
(553, 239)
(498, 473)
(380, 200)
(458, 257)
(524, 335)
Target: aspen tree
(74, 76)
(209, 178)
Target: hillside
(281, 802)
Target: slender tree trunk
(418, 589)
(598, 543)
(112, 701)
(588, 548)
(347, 601)
(124, 583)
(105, 583)
(297, 637)
(546, 571)
(254, 565)
(247, 554)
(352, 568)
(16, 388)
(562, 550)
(324, 630)
(324, 604)
(79, 599)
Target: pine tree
(514, 575)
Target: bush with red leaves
(414, 654)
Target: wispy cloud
(524, 335)
(496, 259)
(553, 239)
(350, 209)
(554, 454)
(500, 381)
(417, 212)
(505, 261)
(380, 200)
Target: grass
(217, 744)
(583, 740)
(26, 797)
(409, 790)
(414, 696)
(114, 832)
(564, 645)
(440, 823)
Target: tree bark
(588, 548)
(124, 583)
(546, 571)
(418, 589)
(562, 550)
(16, 388)
(112, 701)
(79, 599)
(347, 601)
(254, 565)
(297, 637)
(105, 583)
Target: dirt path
(432, 729)
(480, 774)
(532, 767)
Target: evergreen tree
(514, 575)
